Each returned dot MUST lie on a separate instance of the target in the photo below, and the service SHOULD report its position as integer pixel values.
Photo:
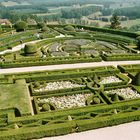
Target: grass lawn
(15, 95)
(130, 23)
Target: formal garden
(63, 44)
(52, 103)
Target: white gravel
(110, 79)
(57, 85)
(127, 93)
(69, 101)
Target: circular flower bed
(127, 93)
(65, 102)
(110, 79)
(57, 85)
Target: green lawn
(130, 23)
(15, 95)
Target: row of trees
(131, 12)
(79, 12)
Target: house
(5, 22)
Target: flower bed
(127, 93)
(66, 102)
(110, 79)
(57, 85)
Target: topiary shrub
(137, 79)
(52, 106)
(20, 26)
(89, 100)
(30, 49)
(36, 85)
(40, 25)
(69, 28)
(45, 107)
(96, 100)
(44, 29)
(115, 97)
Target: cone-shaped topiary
(89, 100)
(30, 49)
(137, 79)
(96, 100)
(45, 29)
(45, 107)
(36, 84)
(115, 98)
(52, 106)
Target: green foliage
(115, 23)
(36, 84)
(138, 43)
(137, 79)
(89, 100)
(45, 107)
(30, 49)
(115, 97)
(45, 29)
(0, 28)
(96, 100)
(20, 26)
(41, 25)
(69, 28)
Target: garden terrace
(89, 45)
(74, 100)
(129, 68)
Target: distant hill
(13, 3)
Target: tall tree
(115, 22)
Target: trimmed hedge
(105, 30)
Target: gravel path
(66, 66)
(129, 131)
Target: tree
(115, 22)
(20, 26)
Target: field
(130, 23)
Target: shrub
(115, 97)
(36, 84)
(45, 29)
(138, 43)
(96, 100)
(89, 100)
(137, 79)
(20, 26)
(41, 25)
(30, 49)
(45, 107)
(52, 106)
(69, 28)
